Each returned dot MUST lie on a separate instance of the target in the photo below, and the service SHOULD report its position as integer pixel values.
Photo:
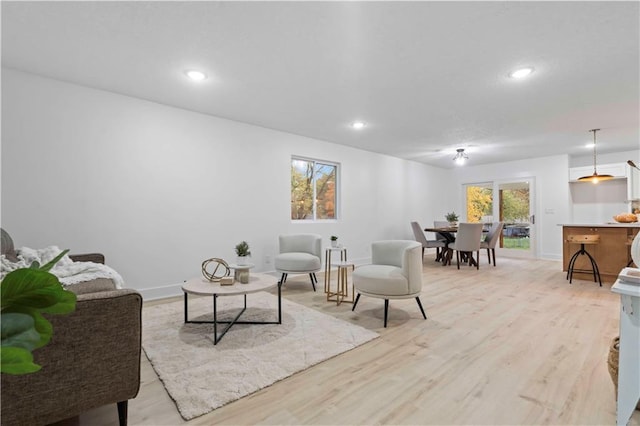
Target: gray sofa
(93, 358)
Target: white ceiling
(427, 77)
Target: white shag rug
(201, 377)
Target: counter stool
(583, 240)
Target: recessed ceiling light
(521, 73)
(196, 75)
(358, 125)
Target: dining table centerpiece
(452, 218)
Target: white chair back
(468, 236)
(301, 243)
(418, 233)
(494, 234)
(403, 254)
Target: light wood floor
(512, 344)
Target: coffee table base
(215, 322)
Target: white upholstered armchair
(299, 254)
(395, 273)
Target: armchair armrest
(93, 359)
(88, 257)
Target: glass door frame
(495, 185)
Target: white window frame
(337, 189)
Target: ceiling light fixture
(196, 75)
(521, 73)
(358, 125)
(460, 157)
(595, 177)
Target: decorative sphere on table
(220, 269)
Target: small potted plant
(334, 241)
(452, 218)
(242, 251)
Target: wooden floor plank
(512, 344)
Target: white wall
(159, 189)
(551, 196)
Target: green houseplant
(334, 241)
(26, 294)
(242, 251)
(452, 218)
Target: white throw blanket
(67, 271)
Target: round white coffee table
(203, 287)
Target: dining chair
(418, 233)
(491, 239)
(467, 241)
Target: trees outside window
(313, 180)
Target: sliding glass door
(511, 202)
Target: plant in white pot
(334, 241)
(452, 218)
(243, 252)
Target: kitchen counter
(612, 253)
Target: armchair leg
(421, 308)
(493, 252)
(458, 258)
(122, 412)
(489, 255)
(355, 302)
(283, 279)
(314, 280)
(386, 310)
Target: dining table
(447, 234)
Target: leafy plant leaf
(17, 361)
(53, 261)
(31, 288)
(19, 330)
(25, 294)
(40, 323)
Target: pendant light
(595, 177)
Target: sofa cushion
(91, 286)
(297, 262)
(384, 280)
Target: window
(313, 180)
